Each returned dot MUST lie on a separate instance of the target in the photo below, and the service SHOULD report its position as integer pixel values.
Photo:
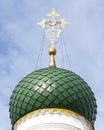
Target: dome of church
(52, 88)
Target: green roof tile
(52, 88)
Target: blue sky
(21, 37)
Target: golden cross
(53, 26)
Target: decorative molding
(51, 112)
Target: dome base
(52, 119)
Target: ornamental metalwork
(53, 26)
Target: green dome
(52, 88)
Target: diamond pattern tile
(52, 88)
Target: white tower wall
(52, 119)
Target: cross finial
(53, 26)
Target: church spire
(53, 26)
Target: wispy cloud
(20, 40)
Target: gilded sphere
(52, 51)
